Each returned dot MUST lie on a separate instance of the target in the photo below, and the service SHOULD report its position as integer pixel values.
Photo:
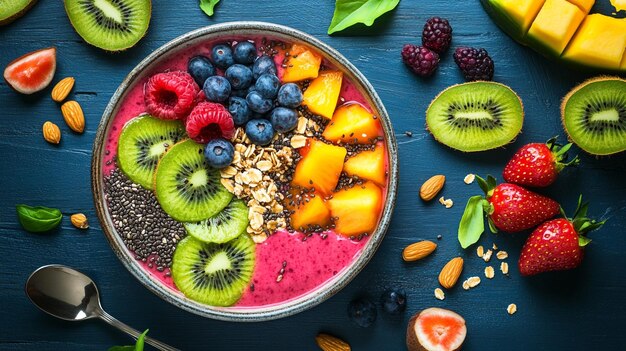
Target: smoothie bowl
(245, 171)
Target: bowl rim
(268, 312)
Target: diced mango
(322, 94)
(368, 165)
(356, 210)
(599, 42)
(311, 213)
(320, 167)
(517, 14)
(352, 123)
(555, 25)
(584, 5)
(619, 5)
(302, 64)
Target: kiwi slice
(224, 226)
(186, 187)
(214, 274)
(10, 10)
(594, 115)
(112, 25)
(475, 116)
(142, 142)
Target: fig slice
(32, 72)
(435, 329)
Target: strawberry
(558, 244)
(537, 164)
(508, 207)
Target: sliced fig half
(436, 329)
(32, 72)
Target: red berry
(421, 60)
(170, 95)
(208, 121)
(474, 63)
(437, 34)
(516, 209)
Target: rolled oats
(439, 294)
(502, 255)
(511, 309)
(489, 272)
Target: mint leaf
(472, 224)
(351, 12)
(137, 347)
(208, 5)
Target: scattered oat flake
(446, 202)
(504, 267)
(494, 247)
(480, 251)
(512, 308)
(489, 272)
(469, 179)
(466, 285)
(502, 255)
(473, 281)
(298, 141)
(487, 255)
(439, 294)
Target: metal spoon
(70, 295)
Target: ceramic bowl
(247, 314)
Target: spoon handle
(134, 333)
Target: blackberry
(474, 63)
(437, 34)
(421, 60)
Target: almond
(51, 133)
(330, 343)
(62, 89)
(79, 221)
(73, 115)
(418, 250)
(451, 272)
(431, 187)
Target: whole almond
(79, 221)
(330, 343)
(451, 272)
(62, 89)
(73, 115)
(418, 250)
(431, 187)
(51, 133)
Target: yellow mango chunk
(521, 12)
(584, 5)
(302, 64)
(555, 25)
(322, 94)
(619, 4)
(599, 42)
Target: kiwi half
(214, 274)
(112, 25)
(594, 115)
(10, 10)
(224, 226)
(186, 187)
(142, 142)
(475, 116)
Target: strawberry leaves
(472, 224)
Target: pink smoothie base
(309, 263)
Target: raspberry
(474, 63)
(437, 34)
(208, 121)
(421, 60)
(170, 95)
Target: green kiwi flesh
(475, 116)
(186, 187)
(594, 115)
(231, 222)
(211, 273)
(10, 10)
(141, 144)
(112, 25)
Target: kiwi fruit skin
(15, 13)
(168, 194)
(192, 258)
(128, 148)
(231, 222)
(106, 42)
(483, 143)
(600, 147)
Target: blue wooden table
(578, 310)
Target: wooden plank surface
(577, 310)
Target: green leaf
(38, 219)
(472, 224)
(137, 347)
(350, 12)
(208, 5)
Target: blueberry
(260, 131)
(200, 68)
(290, 95)
(238, 108)
(216, 89)
(245, 52)
(362, 312)
(267, 85)
(239, 76)
(264, 64)
(257, 103)
(393, 301)
(222, 56)
(284, 119)
(219, 153)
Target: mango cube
(356, 210)
(584, 5)
(320, 167)
(555, 25)
(518, 14)
(368, 165)
(353, 123)
(600, 42)
(311, 213)
(322, 94)
(302, 64)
